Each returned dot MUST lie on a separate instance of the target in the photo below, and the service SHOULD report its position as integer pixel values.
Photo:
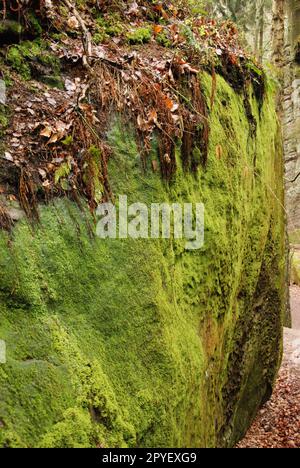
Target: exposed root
(87, 37)
(196, 129)
(15, 7)
(4, 9)
(173, 109)
(214, 88)
(27, 195)
(5, 220)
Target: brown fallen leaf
(8, 156)
(153, 116)
(73, 22)
(133, 9)
(46, 132)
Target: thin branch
(87, 37)
(294, 180)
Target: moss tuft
(139, 35)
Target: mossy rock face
(141, 342)
(10, 31)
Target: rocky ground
(278, 422)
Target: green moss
(139, 35)
(35, 25)
(295, 275)
(8, 27)
(4, 120)
(100, 37)
(163, 39)
(16, 60)
(68, 140)
(142, 343)
(107, 27)
(57, 36)
(62, 173)
(74, 431)
(111, 22)
(21, 58)
(93, 174)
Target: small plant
(100, 37)
(139, 36)
(68, 140)
(19, 57)
(62, 173)
(16, 60)
(107, 27)
(163, 39)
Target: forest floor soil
(277, 424)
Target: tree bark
(259, 29)
(278, 34)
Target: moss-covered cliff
(142, 343)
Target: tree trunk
(278, 43)
(259, 29)
(278, 33)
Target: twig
(87, 37)
(294, 180)
(4, 9)
(17, 8)
(187, 101)
(111, 63)
(80, 113)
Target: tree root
(87, 38)
(4, 10)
